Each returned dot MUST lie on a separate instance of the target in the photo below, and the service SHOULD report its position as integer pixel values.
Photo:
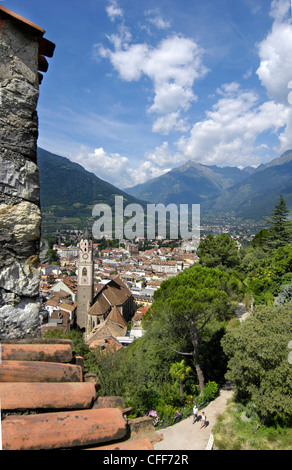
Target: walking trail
(187, 436)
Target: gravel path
(188, 436)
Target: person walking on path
(185, 436)
(204, 418)
(195, 412)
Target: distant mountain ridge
(68, 192)
(256, 195)
(189, 183)
(248, 192)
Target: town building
(105, 303)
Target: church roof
(86, 233)
(100, 307)
(106, 328)
(116, 292)
(107, 343)
(116, 316)
(111, 294)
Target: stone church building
(113, 305)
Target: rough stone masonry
(20, 214)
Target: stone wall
(20, 215)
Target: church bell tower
(85, 279)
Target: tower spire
(85, 287)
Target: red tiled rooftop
(17, 17)
(50, 404)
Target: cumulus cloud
(105, 166)
(230, 130)
(117, 169)
(280, 9)
(172, 66)
(170, 122)
(233, 128)
(275, 70)
(163, 157)
(144, 172)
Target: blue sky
(136, 88)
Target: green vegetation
(193, 342)
(218, 251)
(186, 304)
(259, 366)
(238, 428)
(68, 192)
(180, 371)
(266, 264)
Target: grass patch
(238, 429)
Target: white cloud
(229, 133)
(170, 122)
(155, 18)
(280, 9)
(113, 10)
(115, 168)
(160, 23)
(162, 157)
(173, 66)
(106, 166)
(170, 97)
(145, 172)
(275, 70)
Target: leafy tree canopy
(191, 299)
(259, 366)
(218, 251)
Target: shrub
(209, 392)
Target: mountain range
(189, 183)
(68, 192)
(248, 193)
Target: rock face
(20, 215)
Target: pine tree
(279, 225)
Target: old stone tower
(22, 51)
(85, 290)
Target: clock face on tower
(85, 256)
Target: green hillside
(68, 192)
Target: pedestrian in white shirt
(195, 413)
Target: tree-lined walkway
(187, 436)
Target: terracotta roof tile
(27, 389)
(15, 16)
(116, 316)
